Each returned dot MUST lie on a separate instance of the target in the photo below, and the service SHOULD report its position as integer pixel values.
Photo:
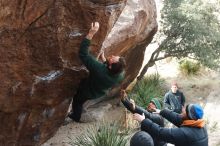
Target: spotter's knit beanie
(141, 138)
(156, 102)
(194, 111)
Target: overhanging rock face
(132, 32)
(40, 68)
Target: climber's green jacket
(100, 79)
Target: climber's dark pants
(77, 106)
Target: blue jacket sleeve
(88, 60)
(154, 117)
(137, 109)
(171, 135)
(171, 116)
(128, 105)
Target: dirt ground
(67, 133)
(203, 89)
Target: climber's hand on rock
(103, 56)
(94, 28)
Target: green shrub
(189, 67)
(146, 89)
(105, 134)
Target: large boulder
(40, 68)
(132, 32)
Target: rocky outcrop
(131, 34)
(40, 68)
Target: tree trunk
(144, 70)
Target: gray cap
(141, 138)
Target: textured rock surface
(95, 114)
(131, 34)
(40, 68)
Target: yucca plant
(105, 134)
(146, 89)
